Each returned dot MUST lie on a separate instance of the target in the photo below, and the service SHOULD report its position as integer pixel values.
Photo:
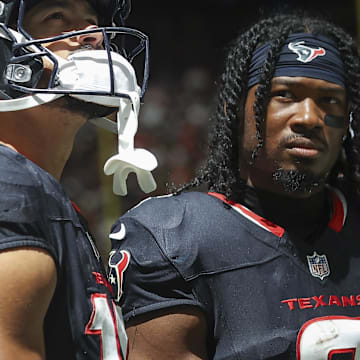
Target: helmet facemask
(103, 77)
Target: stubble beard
(299, 181)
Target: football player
(59, 70)
(267, 264)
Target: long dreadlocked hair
(221, 172)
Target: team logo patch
(305, 53)
(318, 265)
(118, 263)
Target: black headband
(305, 55)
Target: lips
(304, 147)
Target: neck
(46, 140)
(285, 211)
(268, 202)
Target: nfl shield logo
(318, 265)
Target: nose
(308, 116)
(94, 39)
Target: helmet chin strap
(27, 102)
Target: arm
(178, 333)
(27, 284)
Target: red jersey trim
(77, 209)
(339, 210)
(336, 222)
(265, 224)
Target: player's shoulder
(169, 222)
(16, 170)
(17, 183)
(26, 190)
(186, 229)
(169, 211)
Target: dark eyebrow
(288, 82)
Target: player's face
(304, 126)
(55, 17)
(49, 18)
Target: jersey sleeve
(141, 271)
(23, 217)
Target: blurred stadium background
(188, 39)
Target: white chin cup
(89, 70)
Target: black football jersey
(263, 295)
(82, 321)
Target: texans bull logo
(306, 53)
(118, 263)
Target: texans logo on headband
(306, 53)
(296, 59)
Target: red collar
(336, 222)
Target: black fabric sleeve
(149, 281)
(23, 215)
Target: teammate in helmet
(266, 265)
(58, 71)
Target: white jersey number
(329, 338)
(108, 324)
